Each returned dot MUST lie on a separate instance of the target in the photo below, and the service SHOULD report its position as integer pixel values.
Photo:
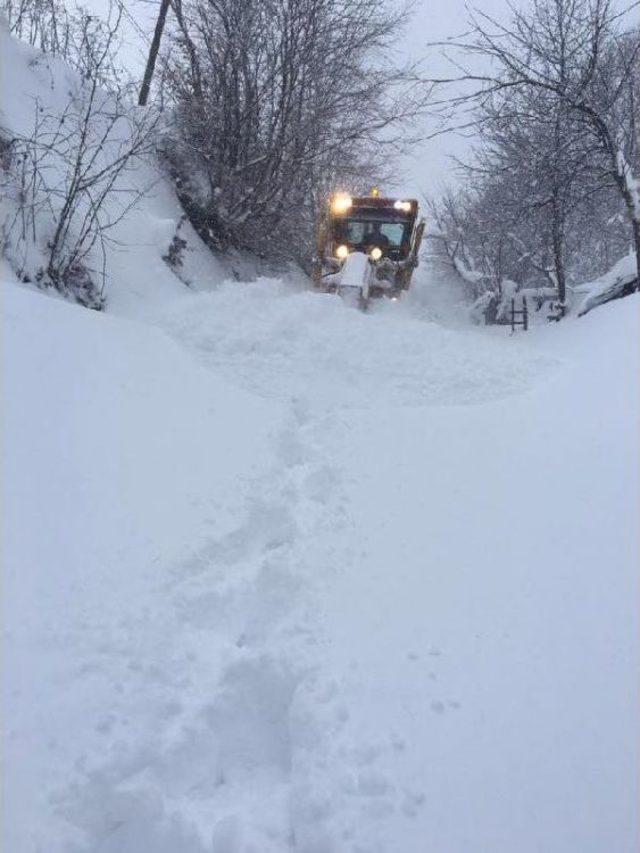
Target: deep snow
(283, 576)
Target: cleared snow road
(360, 583)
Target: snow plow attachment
(369, 244)
(353, 281)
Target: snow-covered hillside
(36, 85)
(281, 576)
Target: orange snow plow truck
(367, 246)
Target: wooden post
(519, 318)
(153, 53)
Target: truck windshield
(362, 233)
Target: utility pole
(153, 53)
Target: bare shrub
(556, 169)
(85, 41)
(65, 182)
(276, 100)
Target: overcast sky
(428, 166)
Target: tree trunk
(628, 194)
(557, 231)
(624, 179)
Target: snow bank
(137, 278)
(617, 282)
(493, 658)
(121, 459)
(279, 341)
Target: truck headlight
(341, 203)
(342, 252)
(376, 253)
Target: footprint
(412, 803)
(268, 525)
(227, 835)
(291, 451)
(301, 410)
(320, 484)
(364, 755)
(372, 784)
(250, 718)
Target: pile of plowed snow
(279, 341)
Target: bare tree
(577, 53)
(66, 182)
(541, 162)
(46, 24)
(78, 37)
(275, 99)
(538, 208)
